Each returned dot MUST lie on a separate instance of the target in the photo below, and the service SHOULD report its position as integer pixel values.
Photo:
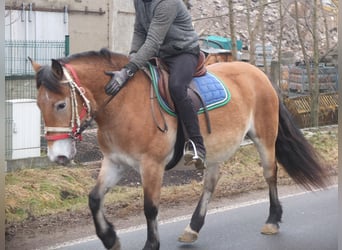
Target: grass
(40, 192)
(36, 192)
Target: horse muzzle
(62, 151)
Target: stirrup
(193, 156)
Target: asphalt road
(309, 223)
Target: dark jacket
(162, 28)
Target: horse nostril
(62, 160)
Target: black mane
(103, 53)
(46, 77)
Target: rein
(76, 128)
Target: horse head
(64, 107)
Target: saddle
(163, 82)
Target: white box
(23, 128)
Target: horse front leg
(190, 233)
(109, 175)
(152, 179)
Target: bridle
(76, 128)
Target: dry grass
(39, 192)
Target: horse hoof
(116, 246)
(270, 229)
(188, 236)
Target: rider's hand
(119, 78)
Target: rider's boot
(194, 149)
(195, 153)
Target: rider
(164, 29)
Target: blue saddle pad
(211, 89)
(213, 92)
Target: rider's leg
(182, 68)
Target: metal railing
(298, 81)
(19, 78)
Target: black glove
(119, 78)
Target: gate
(301, 110)
(20, 93)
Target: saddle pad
(212, 91)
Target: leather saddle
(163, 82)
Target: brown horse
(71, 92)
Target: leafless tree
(253, 29)
(315, 88)
(281, 28)
(232, 29)
(311, 62)
(263, 37)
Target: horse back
(247, 84)
(253, 108)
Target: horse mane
(46, 77)
(101, 54)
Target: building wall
(89, 31)
(122, 28)
(92, 25)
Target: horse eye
(61, 106)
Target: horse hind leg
(272, 223)
(190, 233)
(268, 161)
(109, 175)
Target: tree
(263, 38)
(328, 13)
(311, 63)
(253, 30)
(232, 29)
(315, 89)
(281, 28)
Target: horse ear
(57, 69)
(36, 67)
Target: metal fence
(21, 91)
(296, 90)
(298, 82)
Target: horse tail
(297, 155)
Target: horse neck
(92, 79)
(86, 85)
(133, 96)
(134, 93)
